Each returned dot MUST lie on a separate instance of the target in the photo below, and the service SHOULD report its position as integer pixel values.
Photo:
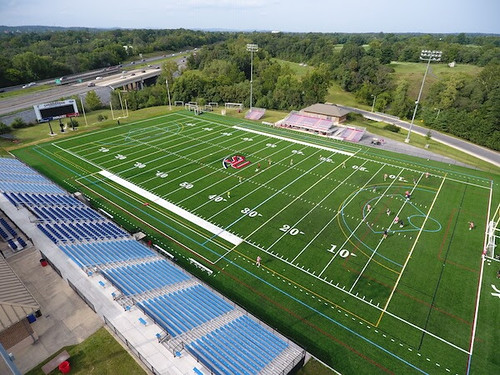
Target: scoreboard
(56, 110)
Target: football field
(366, 257)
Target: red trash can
(43, 262)
(64, 367)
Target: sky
(425, 16)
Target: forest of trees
(34, 56)
(467, 106)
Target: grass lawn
(315, 210)
(314, 367)
(414, 73)
(420, 141)
(299, 70)
(21, 92)
(100, 354)
(336, 95)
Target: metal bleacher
(142, 277)
(209, 327)
(185, 309)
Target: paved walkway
(67, 319)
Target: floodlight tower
(429, 56)
(168, 92)
(251, 48)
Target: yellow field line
(411, 252)
(306, 289)
(352, 242)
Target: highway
(111, 78)
(480, 152)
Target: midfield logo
(236, 161)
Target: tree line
(35, 56)
(220, 71)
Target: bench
(55, 362)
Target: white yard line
(317, 204)
(161, 148)
(163, 141)
(295, 141)
(338, 213)
(270, 197)
(361, 222)
(411, 252)
(382, 239)
(235, 240)
(92, 133)
(359, 298)
(246, 179)
(239, 183)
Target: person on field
(257, 262)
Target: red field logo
(236, 161)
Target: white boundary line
(480, 283)
(363, 221)
(382, 239)
(235, 240)
(411, 252)
(294, 141)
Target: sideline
(235, 240)
(294, 141)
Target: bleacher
(28, 199)
(82, 231)
(226, 342)
(142, 277)
(351, 134)
(185, 309)
(240, 347)
(309, 123)
(255, 113)
(9, 231)
(101, 253)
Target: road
(480, 152)
(109, 78)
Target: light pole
(429, 56)
(373, 104)
(168, 92)
(252, 48)
(83, 109)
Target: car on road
(98, 78)
(91, 84)
(29, 85)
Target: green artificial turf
(328, 280)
